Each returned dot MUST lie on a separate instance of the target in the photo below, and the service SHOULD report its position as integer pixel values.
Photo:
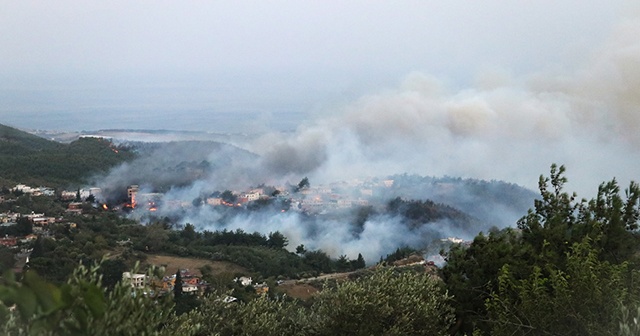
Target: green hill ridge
(29, 159)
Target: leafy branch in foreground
(80, 307)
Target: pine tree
(177, 287)
(360, 262)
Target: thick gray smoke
(502, 128)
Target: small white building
(68, 195)
(244, 281)
(136, 280)
(251, 196)
(23, 188)
(189, 288)
(213, 201)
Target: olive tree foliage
(385, 303)
(217, 316)
(80, 307)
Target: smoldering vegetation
(163, 166)
(412, 210)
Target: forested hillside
(496, 202)
(568, 267)
(28, 159)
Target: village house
(137, 281)
(47, 191)
(42, 221)
(33, 191)
(261, 288)
(29, 238)
(22, 188)
(251, 196)
(33, 215)
(66, 195)
(190, 283)
(132, 191)
(189, 289)
(213, 201)
(9, 217)
(74, 207)
(8, 241)
(92, 191)
(244, 281)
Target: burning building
(132, 192)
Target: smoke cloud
(502, 128)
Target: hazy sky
(194, 64)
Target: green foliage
(23, 227)
(277, 240)
(28, 159)
(228, 196)
(564, 272)
(416, 212)
(583, 299)
(303, 184)
(471, 273)
(319, 261)
(7, 259)
(385, 303)
(79, 307)
(111, 271)
(262, 316)
(400, 253)
(14, 141)
(359, 262)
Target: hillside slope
(16, 142)
(25, 158)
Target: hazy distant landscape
(320, 168)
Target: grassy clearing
(172, 264)
(301, 291)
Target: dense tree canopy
(565, 271)
(569, 267)
(25, 158)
